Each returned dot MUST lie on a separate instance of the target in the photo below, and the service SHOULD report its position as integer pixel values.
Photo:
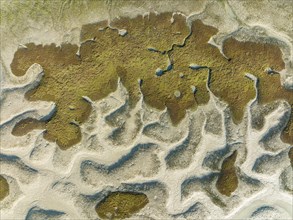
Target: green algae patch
(227, 78)
(230, 84)
(151, 42)
(58, 85)
(228, 181)
(195, 51)
(255, 58)
(4, 188)
(27, 125)
(121, 205)
(93, 70)
(157, 31)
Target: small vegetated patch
(26, 125)
(4, 188)
(227, 182)
(121, 205)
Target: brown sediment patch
(121, 205)
(4, 188)
(228, 181)
(26, 125)
(104, 56)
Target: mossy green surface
(95, 72)
(255, 58)
(228, 181)
(58, 85)
(105, 56)
(121, 205)
(4, 188)
(26, 125)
